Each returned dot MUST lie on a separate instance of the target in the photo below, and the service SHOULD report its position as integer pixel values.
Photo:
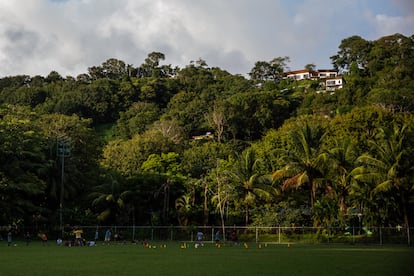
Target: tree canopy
(157, 144)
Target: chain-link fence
(277, 235)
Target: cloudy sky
(68, 36)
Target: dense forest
(156, 144)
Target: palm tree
(343, 159)
(111, 200)
(304, 160)
(251, 181)
(387, 168)
(183, 206)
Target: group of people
(79, 241)
(27, 238)
(76, 232)
(200, 238)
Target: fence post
(353, 234)
(279, 233)
(257, 235)
(380, 234)
(329, 232)
(408, 235)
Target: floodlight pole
(63, 150)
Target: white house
(334, 83)
(305, 74)
(326, 73)
(299, 74)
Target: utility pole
(63, 150)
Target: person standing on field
(78, 236)
(234, 237)
(200, 238)
(44, 239)
(96, 235)
(107, 236)
(9, 238)
(28, 238)
(217, 237)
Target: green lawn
(118, 259)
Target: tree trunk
(247, 214)
(205, 222)
(406, 222)
(313, 193)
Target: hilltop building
(330, 80)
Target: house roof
(303, 71)
(327, 70)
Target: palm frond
(383, 186)
(296, 181)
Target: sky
(69, 36)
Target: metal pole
(61, 196)
(63, 150)
(133, 224)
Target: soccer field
(129, 259)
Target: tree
(250, 181)
(217, 120)
(351, 49)
(303, 159)
(80, 168)
(23, 166)
(342, 157)
(114, 69)
(269, 71)
(110, 199)
(183, 206)
(249, 115)
(137, 119)
(150, 68)
(127, 156)
(310, 66)
(222, 189)
(168, 165)
(390, 60)
(189, 110)
(53, 77)
(387, 167)
(394, 100)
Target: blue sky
(68, 36)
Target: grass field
(129, 259)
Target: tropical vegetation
(282, 152)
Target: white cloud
(387, 25)
(69, 36)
